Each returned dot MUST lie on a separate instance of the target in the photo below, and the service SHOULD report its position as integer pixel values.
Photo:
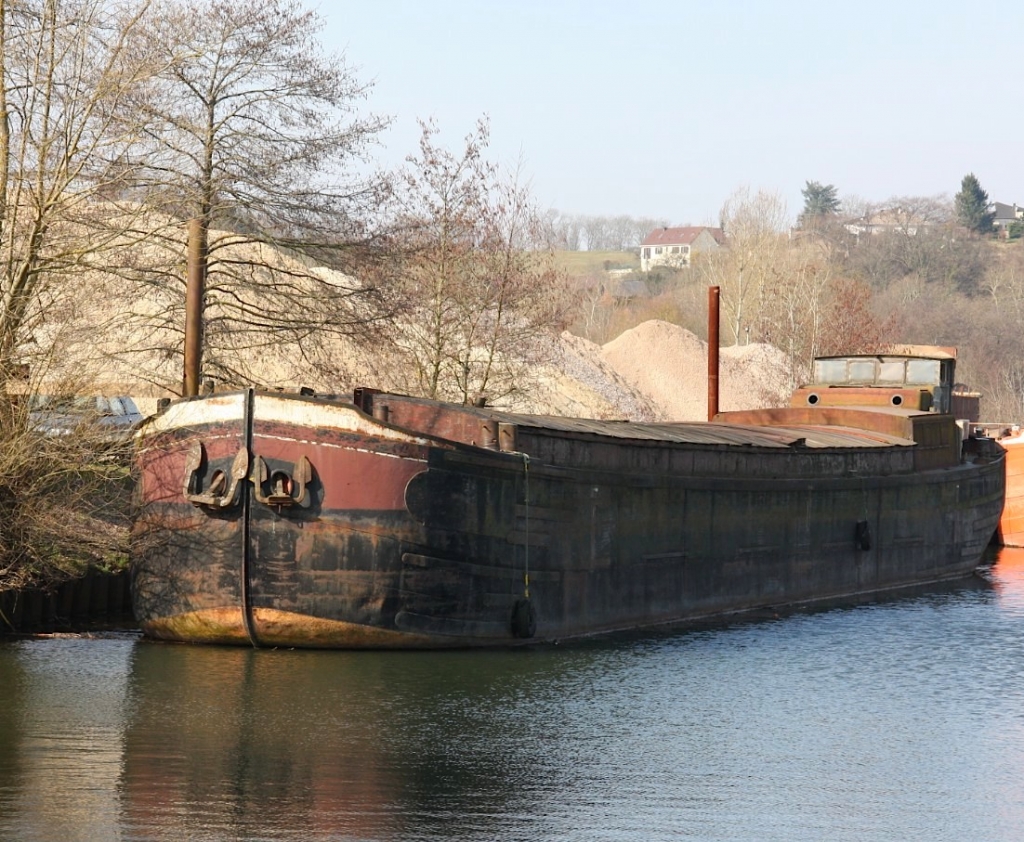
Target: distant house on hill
(675, 246)
(1005, 216)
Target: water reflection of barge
(387, 521)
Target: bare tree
(1004, 282)
(579, 232)
(67, 71)
(812, 309)
(789, 292)
(748, 268)
(479, 303)
(120, 120)
(913, 235)
(851, 324)
(251, 129)
(562, 231)
(793, 311)
(593, 307)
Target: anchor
(286, 489)
(218, 494)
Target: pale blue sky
(664, 109)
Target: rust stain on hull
(214, 625)
(275, 628)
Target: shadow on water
(12, 700)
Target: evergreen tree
(972, 206)
(820, 200)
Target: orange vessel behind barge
(1011, 524)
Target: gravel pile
(667, 365)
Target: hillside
(583, 263)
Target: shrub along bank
(64, 501)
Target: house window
(675, 249)
(657, 250)
(647, 253)
(686, 249)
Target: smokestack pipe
(195, 289)
(713, 297)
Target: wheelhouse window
(881, 371)
(923, 373)
(862, 371)
(892, 373)
(830, 371)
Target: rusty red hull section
(276, 520)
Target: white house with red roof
(676, 246)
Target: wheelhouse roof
(927, 352)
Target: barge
(380, 520)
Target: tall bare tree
(793, 310)
(120, 120)
(66, 71)
(748, 268)
(253, 130)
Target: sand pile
(667, 365)
(654, 372)
(580, 383)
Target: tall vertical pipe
(713, 297)
(195, 289)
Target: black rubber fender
(862, 535)
(524, 619)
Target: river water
(895, 721)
